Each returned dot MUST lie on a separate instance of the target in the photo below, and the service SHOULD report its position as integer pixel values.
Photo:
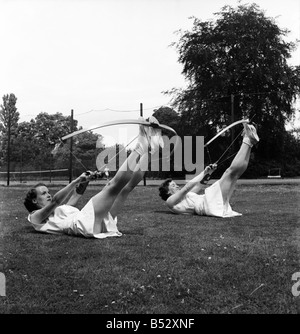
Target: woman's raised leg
(136, 178)
(239, 163)
(104, 200)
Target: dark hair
(164, 189)
(30, 196)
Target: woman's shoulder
(34, 218)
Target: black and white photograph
(149, 160)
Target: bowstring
(119, 151)
(80, 162)
(221, 163)
(235, 139)
(218, 161)
(208, 154)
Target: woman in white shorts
(98, 218)
(215, 200)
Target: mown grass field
(163, 263)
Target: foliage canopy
(237, 66)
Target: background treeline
(236, 66)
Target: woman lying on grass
(215, 200)
(98, 218)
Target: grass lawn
(163, 263)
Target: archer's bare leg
(104, 200)
(234, 172)
(239, 163)
(136, 178)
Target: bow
(120, 122)
(126, 121)
(226, 129)
(219, 134)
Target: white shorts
(84, 224)
(212, 204)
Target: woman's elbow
(56, 201)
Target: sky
(103, 58)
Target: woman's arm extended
(77, 193)
(190, 186)
(40, 215)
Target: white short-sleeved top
(189, 203)
(70, 220)
(211, 203)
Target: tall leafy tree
(84, 155)
(238, 62)
(9, 117)
(24, 147)
(38, 137)
(32, 143)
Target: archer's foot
(143, 141)
(155, 135)
(250, 135)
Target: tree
(24, 147)
(9, 117)
(168, 116)
(291, 155)
(37, 138)
(85, 152)
(237, 62)
(8, 113)
(32, 143)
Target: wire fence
(41, 175)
